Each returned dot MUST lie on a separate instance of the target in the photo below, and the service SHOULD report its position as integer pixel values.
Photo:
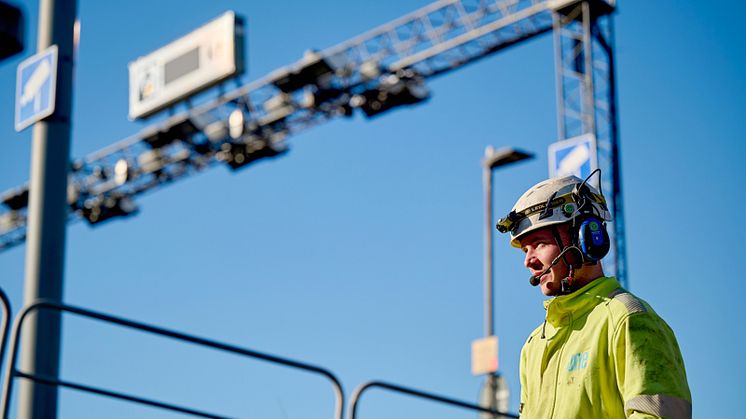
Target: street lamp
(493, 159)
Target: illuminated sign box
(195, 62)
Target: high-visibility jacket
(602, 353)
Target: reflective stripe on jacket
(602, 353)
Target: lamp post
(47, 215)
(493, 159)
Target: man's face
(540, 248)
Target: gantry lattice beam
(374, 72)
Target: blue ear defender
(593, 239)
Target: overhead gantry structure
(379, 70)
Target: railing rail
(5, 303)
(356, 395)
(12, 372)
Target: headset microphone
(534, 279)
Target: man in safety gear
(601, 352)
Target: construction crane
(375, 72)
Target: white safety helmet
(551, 202)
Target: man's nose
(528, 258)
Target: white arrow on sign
(570, 165)
(32, 88)
(573, 156)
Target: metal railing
(422, 394)
(12, 372)
(5, 324)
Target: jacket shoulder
(624, 301)
(621, 304)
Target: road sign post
(47, 207)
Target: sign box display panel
(195, 62)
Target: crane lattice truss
(374, 72)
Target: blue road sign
(575, 156)
(36, 83)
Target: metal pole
(489, 310)
(559, 74)
(489, 298)
(619, 229)
(45, 245)
(589, 105)
(492, 160)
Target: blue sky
(361, 249)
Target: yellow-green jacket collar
(564, 307)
